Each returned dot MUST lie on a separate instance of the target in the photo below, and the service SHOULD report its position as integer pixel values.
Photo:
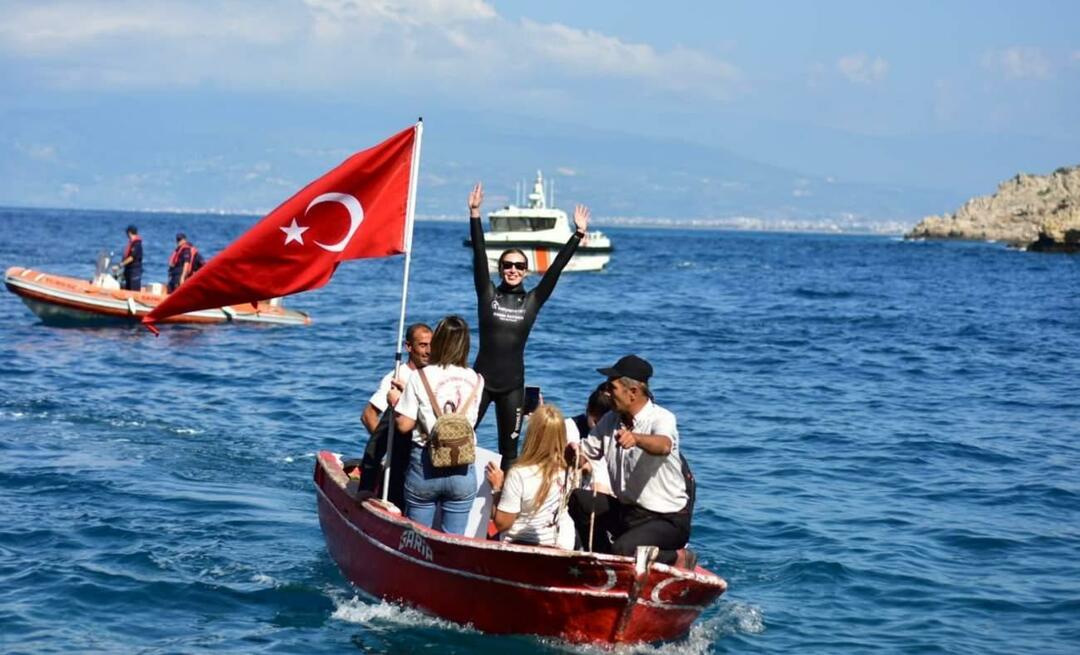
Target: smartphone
(532, 400)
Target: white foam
(355, 610)
(733, 618)
(264, 580)
(741, 617)
(125, 423)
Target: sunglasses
(521, 266)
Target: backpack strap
(430, 394)
(472, 394)
(435, 403)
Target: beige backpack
(452, 438)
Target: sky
(809, 110)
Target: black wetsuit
(506, 316)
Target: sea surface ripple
(886, 436)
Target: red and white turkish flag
(357, 210)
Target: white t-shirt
(451, 386)
(536, 524)
(654, 482)
(378, 399)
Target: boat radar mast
(537, 199)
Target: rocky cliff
(1040, 212)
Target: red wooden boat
(504, 588)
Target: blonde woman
(531, 496)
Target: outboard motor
(105, 277)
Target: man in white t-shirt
(375, 418)
(639, 440)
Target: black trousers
(132, 280)
(508, 408)
(619, 528)
(371, 464)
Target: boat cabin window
(522, 223)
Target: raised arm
(481, 275)
(547, 283)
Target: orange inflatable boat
(61, 300)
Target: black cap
(630, 366)
(180, 235)
(132, 229)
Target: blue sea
(886, 437)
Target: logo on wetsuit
(508, 314)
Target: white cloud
(1019, 63)
(588, 53)
(861, 69)
(334, 45)
(37, 151)
(58, 27)
(565, 171)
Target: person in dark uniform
(506, 315)
(184, 261)
(132, 261)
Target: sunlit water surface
(886, 437)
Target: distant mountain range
(104, 159)
(635, 178)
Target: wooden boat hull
(62, 300)
(503, 588)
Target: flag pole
(410, 209)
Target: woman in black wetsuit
(507, 313)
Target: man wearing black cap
(640, 442)
(184, 261)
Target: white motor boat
(540, 232)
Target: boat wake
(387, 614)
(733, 618)
(739, 618)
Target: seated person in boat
(649, 505)
(578, 428)
(132, 261)
(531, 497)
(183, 262)
(377, 420)
(445, 386)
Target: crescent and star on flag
(295, 232)
(237, 276)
